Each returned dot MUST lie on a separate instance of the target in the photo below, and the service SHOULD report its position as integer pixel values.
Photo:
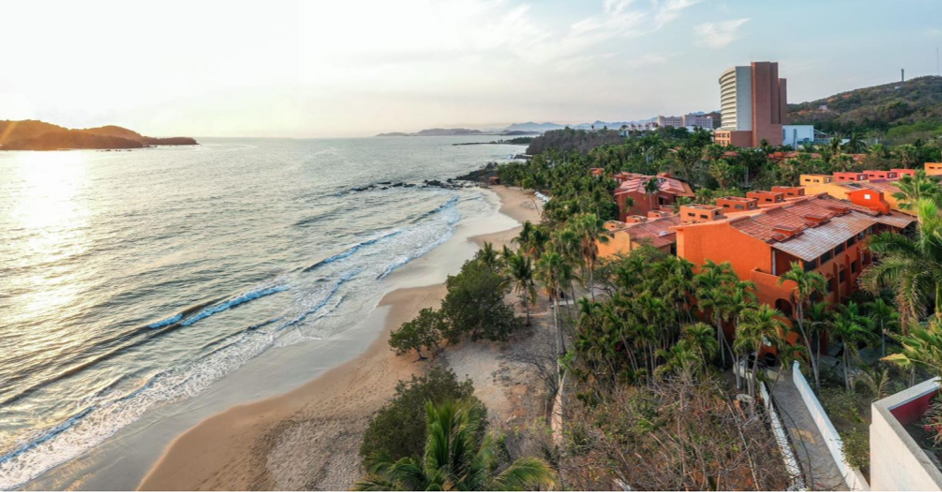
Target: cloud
(934, 32)
(649, 59)
(668, 10)
(717, 35)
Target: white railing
(855, 480)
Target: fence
(855, 480)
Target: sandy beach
(309, 438)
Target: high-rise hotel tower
(754, 105)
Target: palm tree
(807, 284)
(908, 155)
(739, 298)
(885, 317)
(849, 328)
(488, 256)
(758, 327)
(520, 270)
(456, 458)
(913, 268)
(914, 188)
(651, 189)
(922, 347)
(855, 143)
(567, 243)
(835, 145)
(551, 270)
(710, 283)
(532, 239)
(701, 339)
(591, 232)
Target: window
(852, 241)
(691, 214)
(738, 207)
(702, 216)
(866, 196)
(841, 274)
(839, 249)
(810, 265)
(860, 236)
(825, 257)
(853, 267)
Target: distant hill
(435, 132)
(901, 109)
(39, 135)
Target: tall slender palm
(756, 328)
(885, 318)
(651, 189)
(710, 283)
(520, 270)
(850, 330)
(566, 242)
(912, 268)
(739, 298)
(551, 270)
(456, 458)
(807, 284)
(591, 232)
(701, 339)
(855, 143)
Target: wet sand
(309, 438)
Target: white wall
(896, 461)
(792, 134)
(855, 480)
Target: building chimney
(692, 214)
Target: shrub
(398, 429)
(856, 448)
(932, 423)
(474, 305)
(423, 332)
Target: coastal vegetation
(647, 344)
(39, 135)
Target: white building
(736, 99)
(797, 135)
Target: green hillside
(902, 112)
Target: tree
(710, 284)
(739, 298)
(397, 430)
(591, 231)
(520, 271)
(855, 143)
(806, 285)
(885, 317)
(757, 326)
(474, 305)
(551, 270)
(488, 256)
(651, 189)
(912, 268)
(921, 347)
(915, 188)
(425, 331)
(455, 458)
(848, 326)
(701, 339)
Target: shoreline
(309, 437)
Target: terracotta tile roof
(656, 232)
(809, 226)
(635, 183)
(815, 241)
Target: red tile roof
(656, 232)
(634, 182)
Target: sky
(321, 69)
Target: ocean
(132, 281)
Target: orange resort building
(643, 201)
(819, 232)
(754, 106)
(637, 231)
(871, 186)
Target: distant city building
(690, 121)
(754, 105)
(798, 135)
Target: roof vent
(786, 231)
(814, 219)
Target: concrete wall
(896, 461)
(855, 480)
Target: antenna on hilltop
(937, 60)
(902, 75)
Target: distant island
(39, 135)
(451, 132)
